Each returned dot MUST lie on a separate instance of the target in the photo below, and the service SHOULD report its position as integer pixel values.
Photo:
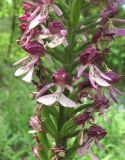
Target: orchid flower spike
(60, 78)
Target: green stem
(60, 122)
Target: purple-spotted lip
(60, 77)
(55, 27)
(34, 48)
(96, 131)
(89, 56)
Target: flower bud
(82, 118)
(101, 103)
(89, 56)
(34, 48)
(34, 122)
(96, 131)
(23, 26)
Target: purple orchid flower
(56, 33)
(60, 78)
(36, 50)
(89, 58)
(94, 134)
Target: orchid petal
(33, 61)
(44, 89)
(70, 88)
(81, 70)
(21, 60)
(119, 32)
(47, 100)
(34, 22)
(100, 81)
(117, 91)
(39, 19)
(57, 10)
(56, 42)
(66, 102)
(22, 70)
(32, 131)
(92, 79)
(29, 75)
(63, 32)
(102, 74)
(45, 30)
(119, 20)
(98, 144)
(112, 94)
(44, 36)
(34, 13)
(85, 148)
(64, 42)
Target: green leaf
(45, 144)
(79, 109)
(68, 128)
(71, 152)
(49, 125)
(75, 12)
(53, 111)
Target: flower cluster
(38, 34)
(49, 40)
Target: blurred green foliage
(16, 105)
